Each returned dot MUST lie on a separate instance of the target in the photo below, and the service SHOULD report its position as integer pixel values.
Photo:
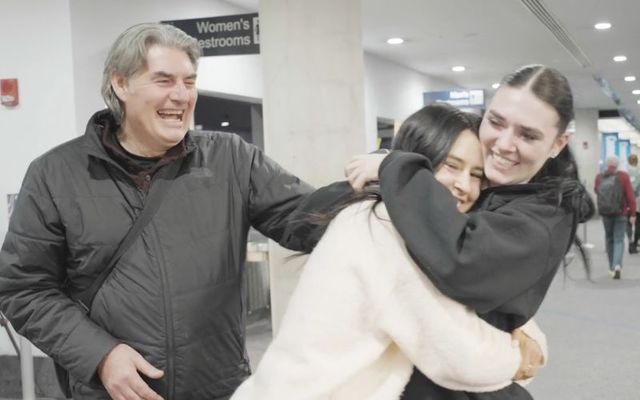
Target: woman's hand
(363, 169)
(531, 353)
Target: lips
(502, 162)
(176, 115)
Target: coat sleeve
(499, 260)
(629, 193)
(32, 271)
(280, 203)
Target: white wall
(393, 91)
(95, 24)
(36, 49)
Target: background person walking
(616, 203)
(633, 230)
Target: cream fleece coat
(363, 314)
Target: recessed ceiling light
(602, 26)
(620, 58)
(395, 40)
(495, 85)
(630, 78)
(636, 91)
(458, 68)
(638, 101)
(224, 123)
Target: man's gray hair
(128, 56)
(612, 161)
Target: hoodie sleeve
(500, 260)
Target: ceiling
(493, 37)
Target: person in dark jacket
(615, 223)
(501, 257)
(168, 322)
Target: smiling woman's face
(519, 132)
(461, 170)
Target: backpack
(610, 195)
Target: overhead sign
(459, 98)
(222, 36)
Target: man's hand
(118, 372)
(363, 169)
(531, 353)
(632, 220)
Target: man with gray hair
(616, 204)
(168, 320)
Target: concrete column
(313, 67)
(585, 143)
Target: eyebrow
(531, 131)
(162, 74)
(496, 115)
(525, 129)
(454, 158)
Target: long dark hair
(430, 131)
(559, 176)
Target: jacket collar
(496, 196)
(103, 123)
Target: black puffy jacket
(176, 294)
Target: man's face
(159, 100)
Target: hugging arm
(501, 258)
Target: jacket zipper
(168, 319)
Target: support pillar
(313, 105)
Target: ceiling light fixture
(638, 101)
(636, 92)
(602, 26)
(458, 68)
(395, 40)
(495, 85)
(629, 78)
(620, 58)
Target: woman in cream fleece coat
(363, 314)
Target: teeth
(502, 160)
(174, 114)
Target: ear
(119, 85)
(559, 143)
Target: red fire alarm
(9, 92)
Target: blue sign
(459, 98)
(624, 151)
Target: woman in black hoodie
(501, 257)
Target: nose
(180, 93)
(462, 184)
(505, 140)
